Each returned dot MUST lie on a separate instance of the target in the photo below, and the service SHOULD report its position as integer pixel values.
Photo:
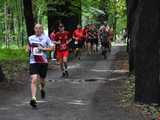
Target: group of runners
(61, 42)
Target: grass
(13, 62)
(13, 54)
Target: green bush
(13, 54)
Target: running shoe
(66, 74)
(33, 103)
(63, 75)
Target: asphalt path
(90, 93)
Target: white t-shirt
(36, 42)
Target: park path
(92, 92)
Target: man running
(78, 37)
(110, 37)
(92, 39)
(62, 40)
(53, 53)
(39, 44)
(103, 36)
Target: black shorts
(39, 69)
(88, 41)
(71, 44)
(94, 41)
(105, 44)
(79, 45)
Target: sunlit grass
(13, 54)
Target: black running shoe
(66, 74)
(63, 75)
(33, 103)
(43, 94)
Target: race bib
(37, 52)
(63, 47)
(76, 42)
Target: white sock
(33, 98)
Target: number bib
(63, 47)
(37, 52)
(76, 42)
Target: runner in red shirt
(85, 35)
(78, 36)
(53, 53)
(62, 39)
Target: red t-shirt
(78, 34)
(63, 37)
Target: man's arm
(51, 46)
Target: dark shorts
(71, 44)
(105, 44)
(80, 44)
(94, 41)
(39, 69)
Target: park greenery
(12, 21)
(17, 18)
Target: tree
(2, 76)
(147, 59)
(66, 12)
(131, 14)
(28, 13)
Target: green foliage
(40, 10)
(12, 22)
(89, 11)
(115, 10)
(117, 14)
(13, 54)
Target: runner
(110, 38)
(62, 40)
(78, 38)
(53, 53)
(39, 44)
(92, 39)
(103, 36)
(85, 36)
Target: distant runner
(62, 41)
(92, 39)
(103, 36)
(39, 44)
(53, 53)
(110, 37)
(78, 36)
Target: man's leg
(34, 79)
(42, 81)
(76, 51)
(110, 46)
(43, 74)
(42, 87)
(65, 61)
(89, 48)
(62, 67)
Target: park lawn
(14, 63)
(13, 55)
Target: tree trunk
(147, 60)
(28, 13)
(131, 9)
(2, 76)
